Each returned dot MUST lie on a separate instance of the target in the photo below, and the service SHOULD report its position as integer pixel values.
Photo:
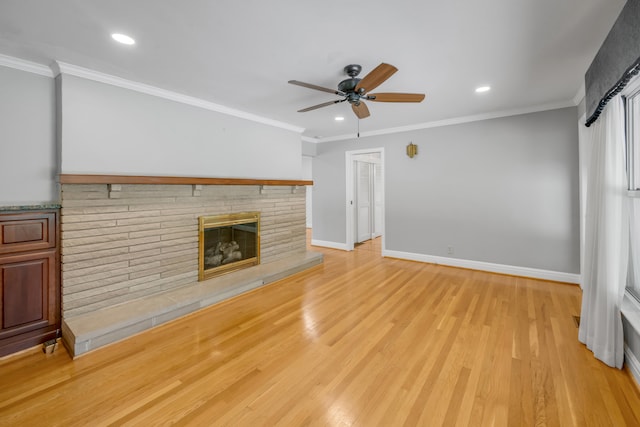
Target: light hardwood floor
(359, 341)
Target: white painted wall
(28, 153)
(112, 130)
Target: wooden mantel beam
(173, 180)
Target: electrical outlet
(450, 250)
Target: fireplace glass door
(228, 242)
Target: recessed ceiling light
(483, 89)
(339, 118)
(122, 38)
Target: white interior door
(364, 201)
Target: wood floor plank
(360, 340)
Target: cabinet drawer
(27, 232)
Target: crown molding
(454, 121)
(58, 68)
(28, 66)
(74, 70)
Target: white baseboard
(535, 273)
(633, 364)
(332, 245)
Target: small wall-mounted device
(412, 150)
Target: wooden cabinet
(29, 279)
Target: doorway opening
(365, 199)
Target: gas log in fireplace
(227, 243)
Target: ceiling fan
(356, 90)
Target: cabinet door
(27, 292)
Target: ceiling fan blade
(396, 97)
(324, 104)
(376, 77)
(361, 110)
(316, 87)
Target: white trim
(632, 363)
(73, 70)
(632, 87)
(454, 121)
(579, 95)
(331, 245)
(535, 273)
(309, 139)
(582, 130)
(631, 311)
(28, 66)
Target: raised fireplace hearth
(227, 243)
(130, 248)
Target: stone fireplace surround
(130, 249)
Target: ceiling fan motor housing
(349, 85)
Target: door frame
(350, 185)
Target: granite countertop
(39, 207)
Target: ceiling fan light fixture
(483, 89)
(123, 38)
(339, 118)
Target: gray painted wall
(111, 130)
(28, 154)
(309, 148)
(502, 191)
(105, 129)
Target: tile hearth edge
(90, 331)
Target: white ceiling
(240, 54)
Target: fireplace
(227, 243)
